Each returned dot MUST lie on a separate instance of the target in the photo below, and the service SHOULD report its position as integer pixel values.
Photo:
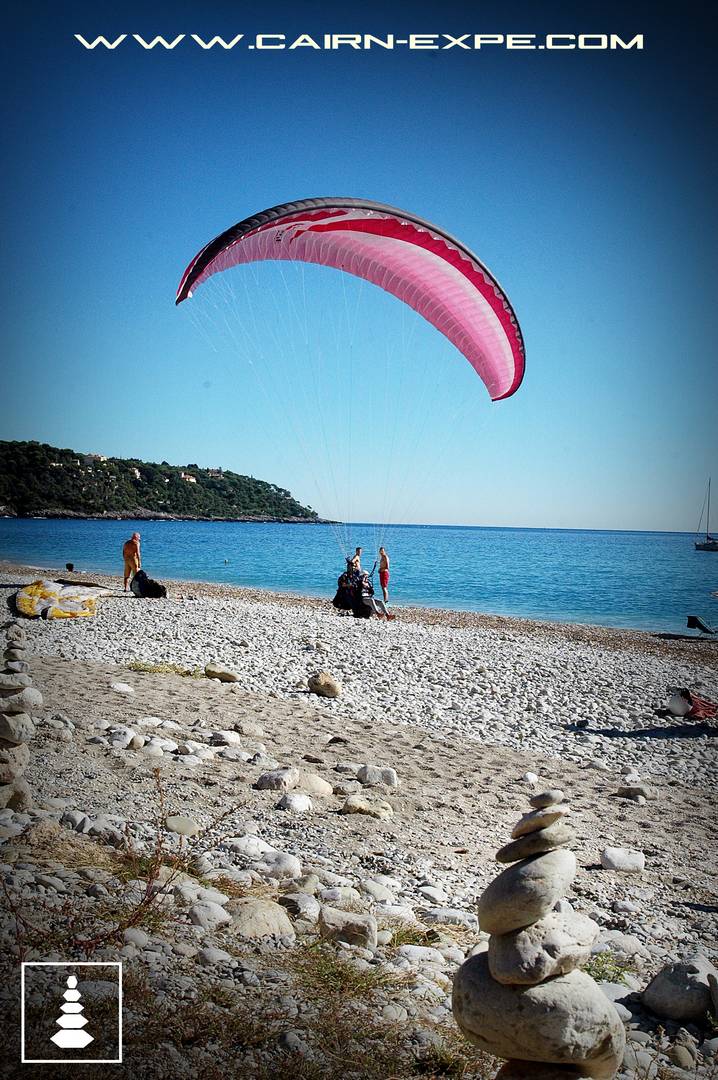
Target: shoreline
(681, 647)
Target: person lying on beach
(131, 556)
(384, 573)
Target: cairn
(18, 699)
(525, 998)
(72, 1020)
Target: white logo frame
(71, 965)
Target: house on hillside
(188, 477)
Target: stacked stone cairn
(18, 700)
(525, 998)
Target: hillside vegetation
(37, 479)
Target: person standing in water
(384, 573)
(131, 556)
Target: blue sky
(585, 181)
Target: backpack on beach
(145, 587)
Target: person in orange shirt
(132, 557)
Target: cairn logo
(68, 1009)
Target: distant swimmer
(132, 557)
(384, 573)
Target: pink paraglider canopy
(415, 261)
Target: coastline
(681, 647)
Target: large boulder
(216, 671)
(681, 991)
(208, 915)
(278, 779)
(324, 684)
(347, 926)
(16, 727)
(20, 701)
(538, 819)
(254, 917)
(13, 761)
(312, 783)
(10, 683)
(370, 775)
(526, 891)
(554, 945)
(279, 865)
(627, 860)
(361, 804)
(536, 843)
(565, 1021)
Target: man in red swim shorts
(384, 573)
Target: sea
(642, 580)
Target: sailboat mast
(708, 515)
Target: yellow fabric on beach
(51, 600)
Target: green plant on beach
(413, 935)
(146, 668)
(606, 967)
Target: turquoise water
(628, 579)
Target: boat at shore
(710, 543)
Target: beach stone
(17, 665)
(252, 847)
(627, 860)
(566, 1020)
(544, 799)
(376, 890)
(526, 891)
(554, 945)
(14, 681)
(216, 671)
(347, 926)
(313, 784)
(122, 688)
(295, 802)
(14, 759)
(301, 905)
(207, 915)
(681, 991)
(17, 795)
(255, 917)
(278, 780)
(324, 684)
(16, 727)
(360, 804)
(22, 701)
(250, 729)
(134, 936)
(183, 826)
(637, 791)
(538, 819)
(370, 775)
(226, 738)
(209, 956)
(451, 917)
(279, 865)
(14, 652)
(536, 843)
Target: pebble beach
(391, 785)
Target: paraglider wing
(417, 262)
